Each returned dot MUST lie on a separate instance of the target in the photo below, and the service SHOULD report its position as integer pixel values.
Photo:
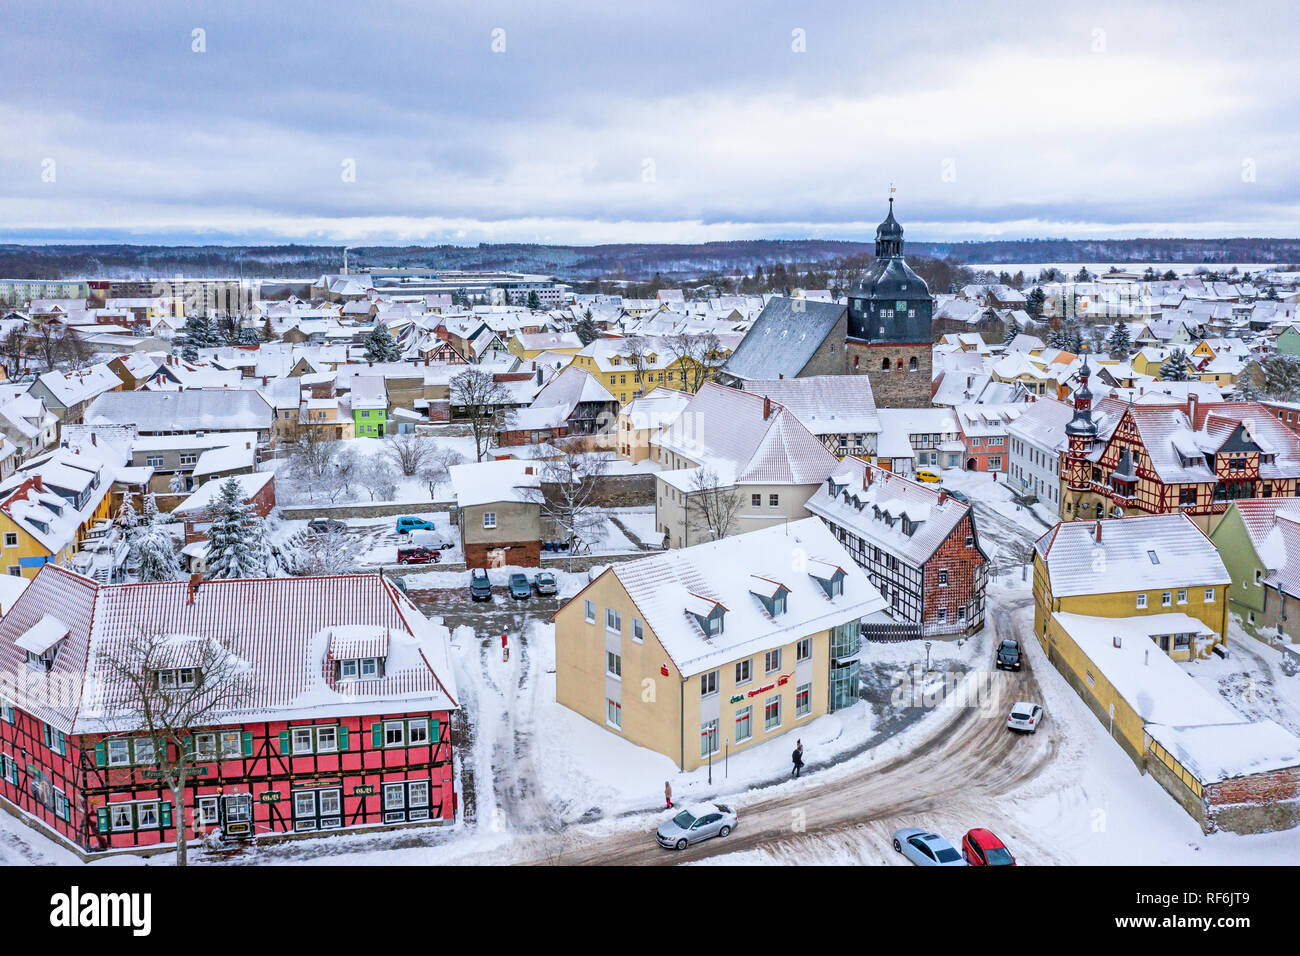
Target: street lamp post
(927, 657)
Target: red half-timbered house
(918, 545)
(1189, 457)
(345, 722)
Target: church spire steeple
(889, 235)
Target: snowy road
(953, 773)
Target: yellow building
(717, 647)
(633, 366)
(1133, 567)
(640, 422)
(529, 345)
(47, 509)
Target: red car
(418, 556)
(981, 848)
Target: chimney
(94, 439)
(528, 469)
(1096, 530)
(1191, 407)
(943, 496)
(767, 408)
(195, 580)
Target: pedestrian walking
(797, 758)
(668, 795)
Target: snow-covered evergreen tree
(1012, 330)
(176, 483)
(199, 333)
(1120, 341)
(586, 328)
(1176, 368)
(127, 519)
(152, 547)
(237, 539)
(380, 345)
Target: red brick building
(196, 510)
(918, 545)
(345, 722)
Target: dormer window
(362, 668)
(707, 613)
(178, 678)
(41, 641)
(829, 576)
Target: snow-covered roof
(191, 410)
(489, 482)
(725, 429)
(42, 635)
(874, 510)
(825, 404)
(1195, 725)
(1148, 552)
(278, 628)
(208, 492)
(671, 589)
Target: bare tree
(637, 350)
(711, 508)
(570, 494)
(379, 478)
(408, 452)
(699, 357)
(13, 352)
(165, 688)
(44, 339)
(312, 456)
(437, 470)
(481, 401)
(333, 552)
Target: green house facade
(1288, 341)
(1257, 539)
(370, 422)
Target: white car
(1025, 716)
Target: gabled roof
(671, 589)
(190, 410)
(873, 510)
(1149, 552)
(783, 338)
(279, 627)
(824, 404)
(725, 429)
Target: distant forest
(639, 263)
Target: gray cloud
(645, 121)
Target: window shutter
(343, 738)
(248, 743)
(101, 819)
(188, 744)
(101, 758)
(165, 814)
(284, 743)
(435, 726)
(377, 735)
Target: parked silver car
(695, 823)
(926, 849)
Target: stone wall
(898, 387)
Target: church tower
(1080, 433)
(890, 312)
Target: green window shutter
(188, 744)
(284, 742)
(343, 738)
(101, 819)
(377, 735)
(435, 731)
(45, 732)
(165, 814)
(101, 758)
(248, 743)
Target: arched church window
(911, 364)
(884, 365)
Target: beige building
(733, 462)
(721, 646)
(499, 511)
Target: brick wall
(965, 585)
(526, 554)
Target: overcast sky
(665, 121)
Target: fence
(891, 632)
